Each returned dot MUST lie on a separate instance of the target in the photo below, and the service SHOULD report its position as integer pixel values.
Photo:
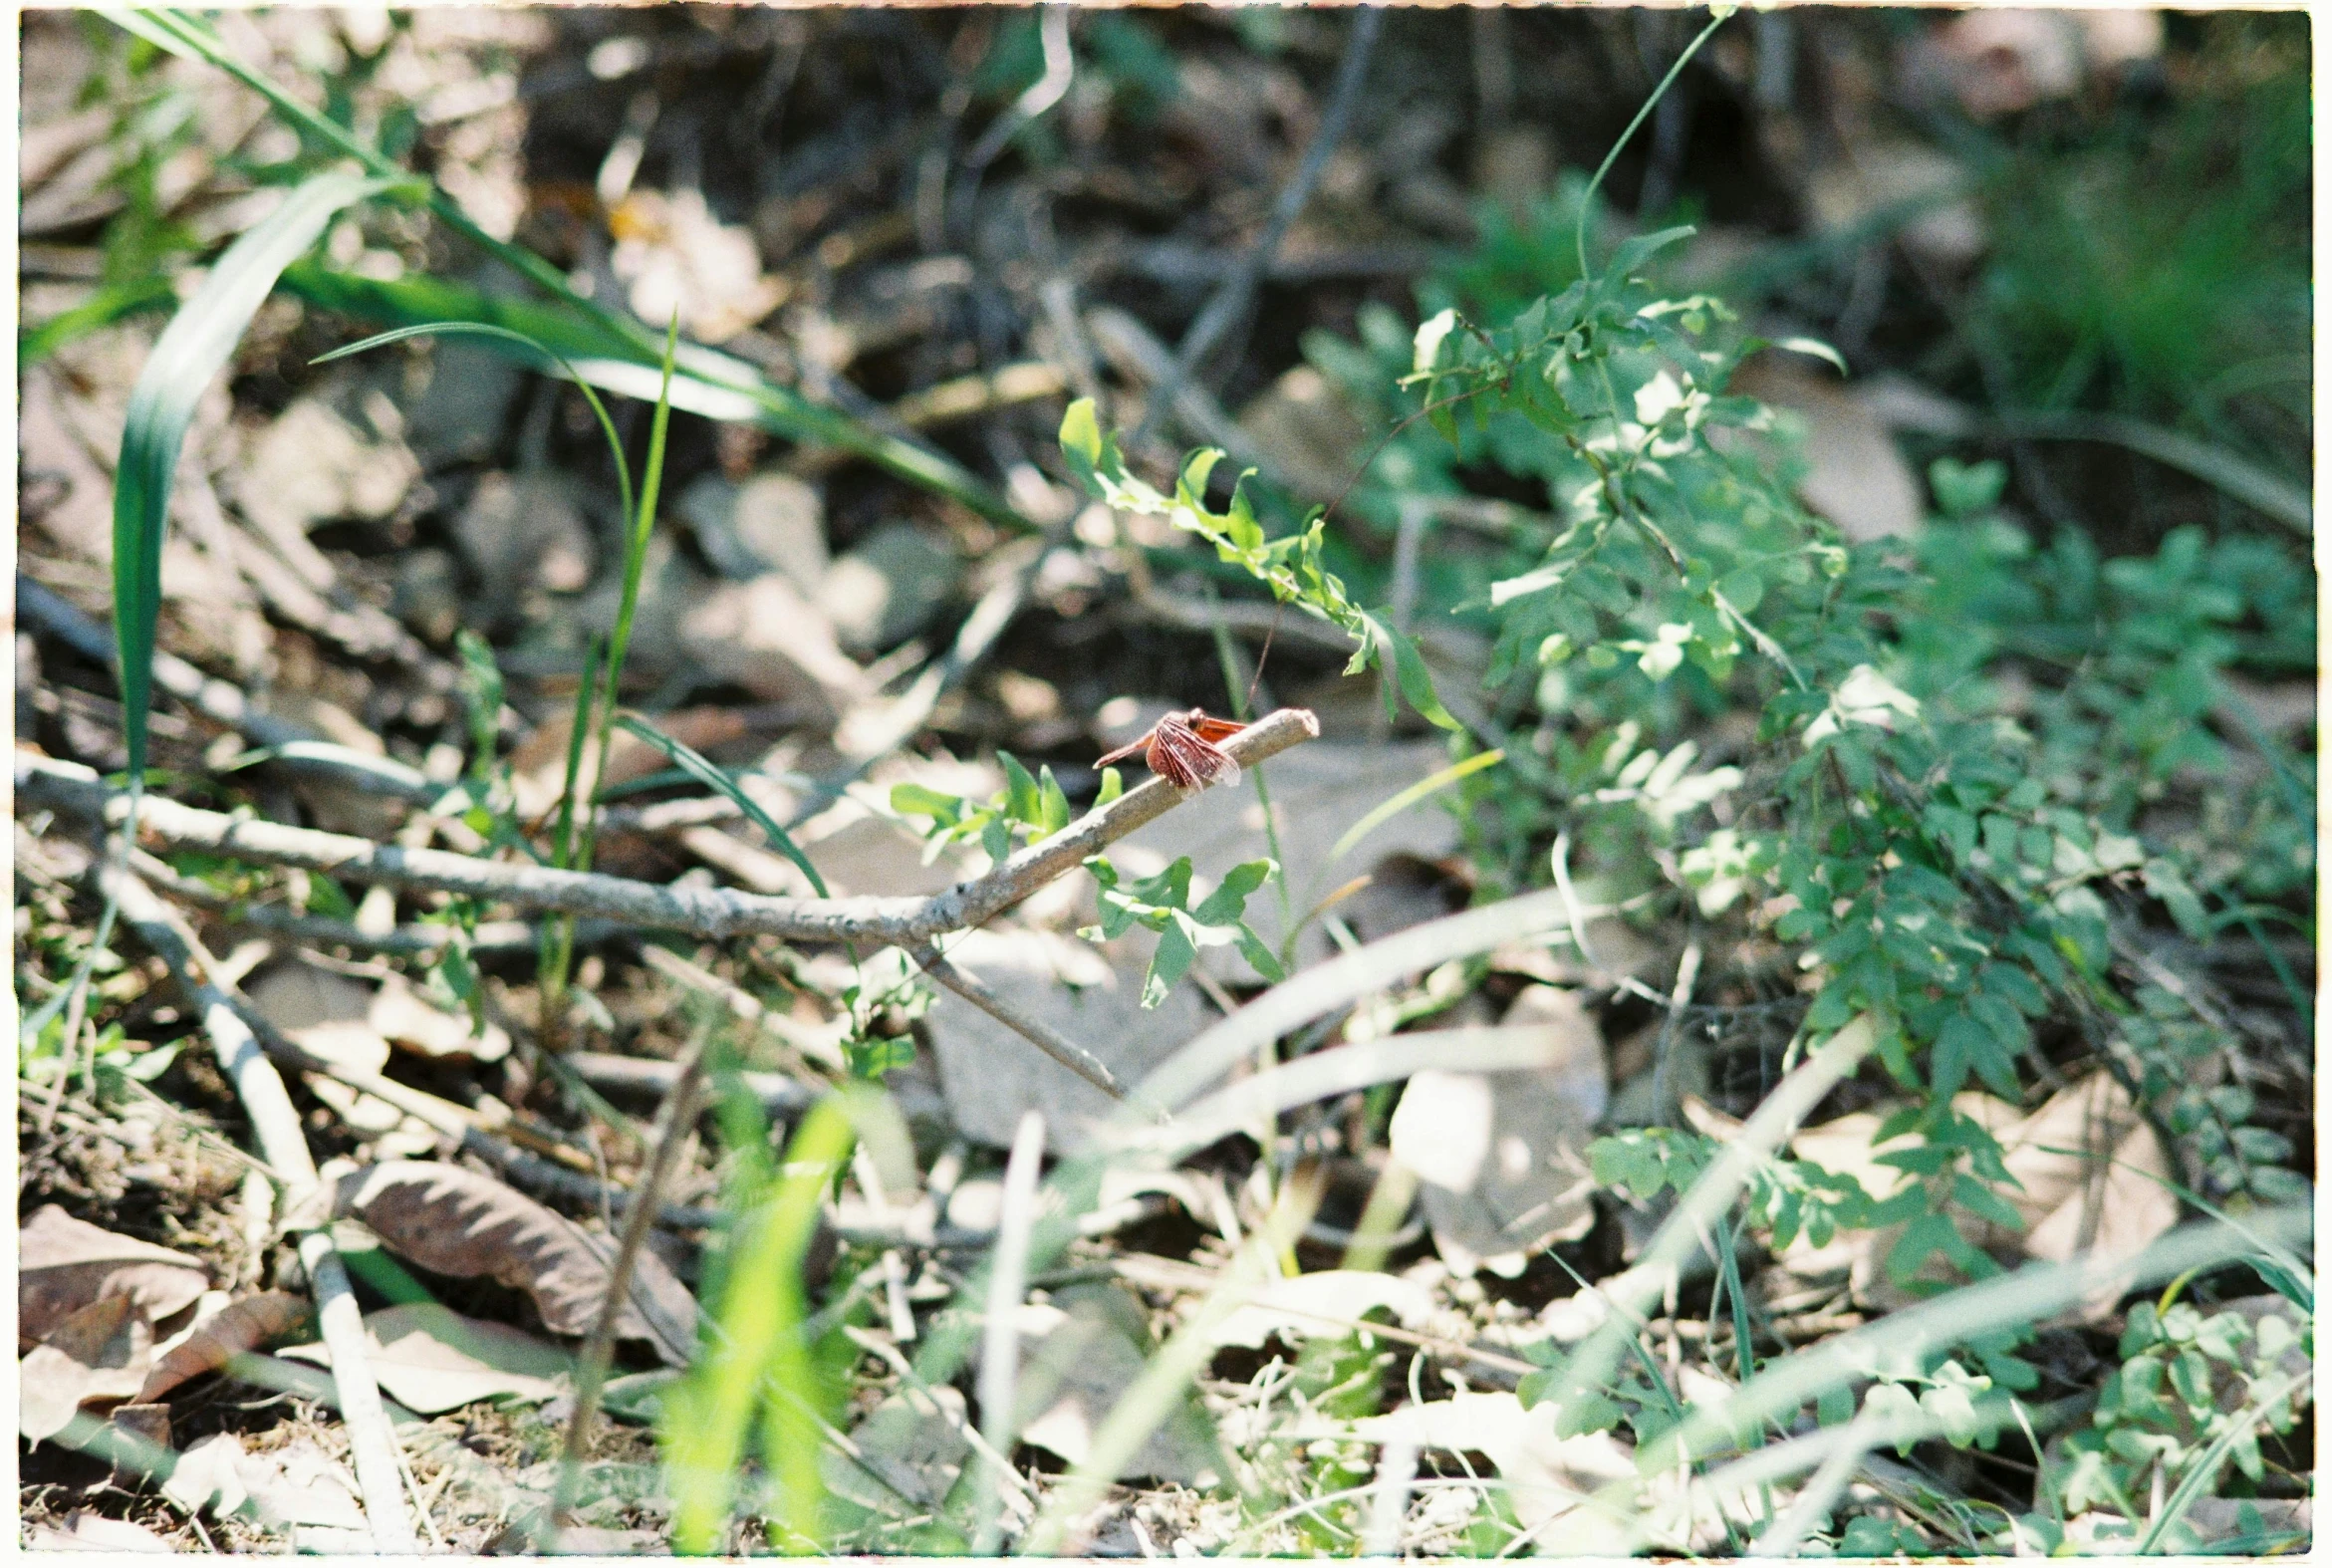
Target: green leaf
(1081, 439)
(1410, 673)
(1054, 815)
(191, 353)
(1169, 962)
(1634, 253)
(1023, 800)
(695, 765)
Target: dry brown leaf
(65, 1264)
(211, 1343)
(99, 1355)
(455, 1222)
(431, 1358)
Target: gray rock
(461, 409)
(426, 596)
(765, 637)
(889, 588)
(1502, 1156)
(990, 1075)
(773, 522)
(525, 531)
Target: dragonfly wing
(1186, 761)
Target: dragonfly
(1181, 749)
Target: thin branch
(1230, 301)
(276, 1124)
(1036, 1031)
(703, 912)
(677, 1133)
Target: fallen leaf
(403, 1018)
(1546, 1474)
(99, 1355)
(766, 637)
(1941, 224)
(1500, 1156)
(1854, 476)
(212, 1342)
(1322, 1304)
(300, 1484)
(2094, 1179)
(210, 1477)
(1310, 431)
(1076, 1372)
(915, 1439)
(459, 1223)
(431, 1358)
(673, 255)
(63, 1264)
(90, 1532)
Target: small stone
(765, 637)
(426, 596)
(889, 588)
(459, 414)
(525, 531)
(773, 522)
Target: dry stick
(404, 941)
(277, 1126)
(1232, 299)
(703, 912)
(677, 1133)
(1000, 1336)
(1664, 1111)
(1036, 1031)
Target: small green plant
(2192, 1393)
(1032, 807)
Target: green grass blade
(774, 408)
(479, 328)
(760, 1340)
(1409, 797)
(191, 351)
(109, 305)
(697, 767)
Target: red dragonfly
(1180, 749)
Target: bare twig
(675, 1134)
(1230, 301)
(703, 912)
(1042, 1035)
(276, 1124)
(1664, 1111)
(404, 941)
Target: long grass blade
(511, 334)
(1420, 790)
(1254, 1101)
(1152, 1396)
(1320, 989)
(191, 351)
(708, 1418)
(706, 375)
(702, 769)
